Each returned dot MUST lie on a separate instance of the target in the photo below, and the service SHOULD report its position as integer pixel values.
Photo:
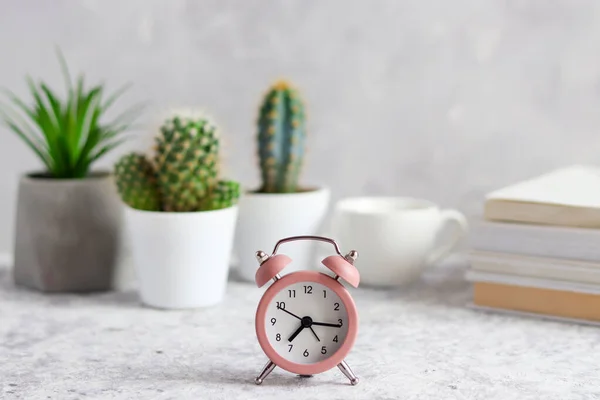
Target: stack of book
(536, 250)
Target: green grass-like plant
(67, 134)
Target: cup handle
(460, 229)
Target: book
(564, 197)
(535, 267)
(525, 314)
(560, 303)
(535, 240)
(531, 282)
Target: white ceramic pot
(267, 217)
(181, 259)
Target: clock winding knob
(351, 256)
(261, 256)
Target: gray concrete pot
(67, 235)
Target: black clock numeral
(278, 337)
(291, 346)
(336, 306)
(281, 305)
(305, 354)
(292, 292)
(323, 350)
(340, 322)
(324, 294)
(308, 289)
(335, 339)
(273, 320)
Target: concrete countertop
(414, 343)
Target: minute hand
(326, 324)
(292, 314)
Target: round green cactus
(182, 175)
(223, 195)
(136, 182)
(186, 162)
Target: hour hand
(326, 324)
(296, 333)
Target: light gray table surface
(419, 342)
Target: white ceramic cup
(396, 237)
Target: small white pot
(181, 259)
(267, 217)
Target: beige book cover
(560, 303)
(565, 197)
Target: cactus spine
(184, 173)
(281, 138)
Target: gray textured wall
(437, 99)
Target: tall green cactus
(281, 139)
(184, 173)
(136, 182)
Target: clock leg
(345, 368)
(270, 366)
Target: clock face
(306, 322)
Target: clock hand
(325, 324)
(284, 310)
(296, 333)
(313, 331)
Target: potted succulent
(68, 215)
(280, 207)
(180, 216)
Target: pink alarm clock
(306, 321)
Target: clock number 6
(305, 354)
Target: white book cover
(535, 240)
(525, 281)
(564, 197)
(535, 267)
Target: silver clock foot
(270, 366)
(345, 368)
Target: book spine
(550, 242)
(530, 282)
(526, 314)
(543, 271)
